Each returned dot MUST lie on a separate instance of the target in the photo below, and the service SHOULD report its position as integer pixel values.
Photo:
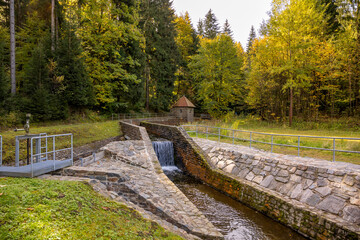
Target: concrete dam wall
(318, 199)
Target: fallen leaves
(30, 209)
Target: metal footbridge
(43, 155)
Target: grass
(48, 209)
(304, 129)
(83, 133)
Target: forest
(119, 56)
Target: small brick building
(183, 109)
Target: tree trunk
(291, 107)
(12, 48)
(147, 73)
(53, 25)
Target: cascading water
(165, 152)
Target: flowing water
(165, 152)
(233, 219)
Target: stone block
(349, 180)
(282, 179)
(296, 193)
(250, 176)
(221, 164)
(295, 178)
(307, 183)
(235, 171)
(322, 182)
(299, 172)
(355, 201)
(310, 198)
(292, 169)
(267, 181)
(283, 173)
(258, 179)
(243, 173)
(324, 191)
(352, 214)
(332, 204)
(256, 171)
(267, 168)
(229, 168)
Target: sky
(241, 14)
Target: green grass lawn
(83, 133)
(251, 124)
(48, 209)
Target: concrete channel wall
(317, 201)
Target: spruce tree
(252, 37)
(200, 28)
(161, 51)
(35, 91)
(4, 59)
(227, 29)
(211, 26)
(78, 90)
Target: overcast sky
(240, 13)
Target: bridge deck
(36, 170)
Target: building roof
(183, 102)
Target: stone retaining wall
(131, 171)
(320, 202)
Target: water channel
(233, 219)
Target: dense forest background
(117, 56)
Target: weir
(231, 218)
(165, 152)
(316, 198)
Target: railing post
(38, 149)
(54, 150)
(298, 146)
(196, 130)
(334, 150)
(219, 134)
(250, 138)
(72, 150)
(17, 152)
(32, 167)
(233, 136)
(272, 142)
(207, 134)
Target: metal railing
(272, 143)
(115, 116)
(38, 155)
(1, 150)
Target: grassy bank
(46, 209)
(83, 133)
(327, 129)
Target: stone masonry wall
(318, 201)
(130, 130)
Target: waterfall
(165, 152)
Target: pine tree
(211, 26)
(227, 29)
(252, 37)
